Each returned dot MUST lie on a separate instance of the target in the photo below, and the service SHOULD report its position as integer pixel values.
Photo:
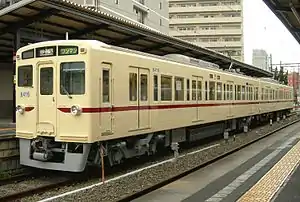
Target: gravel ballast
(122, 187)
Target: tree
(276, 74)
(281, 75)
(285, 80)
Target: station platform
(264, 171)
(6, 127)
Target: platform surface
(259, 171)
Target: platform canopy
(41, 20)
(288, 11)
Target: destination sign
(67, 50)
(28, 54)
(46, 51)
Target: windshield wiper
(68, 94)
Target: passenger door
(197, 96)
(47, 109)
(230, 97)
(144, 103)
(139, 98)
(106, 100)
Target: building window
(116, 1)
(141, 1)
(140, 15)
(160, 5)
(160, 22)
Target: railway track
(177, 177)
(60, 182)
(51, 185)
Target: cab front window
(25, 74)
(72, 78)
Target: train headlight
(75, 110)
(20, 109)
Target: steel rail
(181, 175)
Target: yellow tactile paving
(269, 184)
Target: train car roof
(95, 44)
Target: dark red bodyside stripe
(159, 107)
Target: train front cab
(50, 92)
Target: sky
(263, 30)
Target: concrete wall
(6, 90)
(156, 11)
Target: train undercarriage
(45, 153)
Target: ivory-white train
(74, 95)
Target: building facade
(260, 59)
(294, 80)
(153, 13)
(214, 24)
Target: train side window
(179, 86)
(243, 93)
(166, 88)
(105, 85)
(155, 89)
(199, 90)
(212, 90)
(248, 90)
(266, 94)
(224, 92)
(248, 93)
(132, 86)
(194, 87)
(228, 92)
(188, 90)
(235, 92)
(238, 92)
(144, 87)
(46, 81)
(206, 91)
(231, 92)
(219, 91)
(25, 74)
(256, 93)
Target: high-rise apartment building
(153, 13)
(260, 59)
(214, 24)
